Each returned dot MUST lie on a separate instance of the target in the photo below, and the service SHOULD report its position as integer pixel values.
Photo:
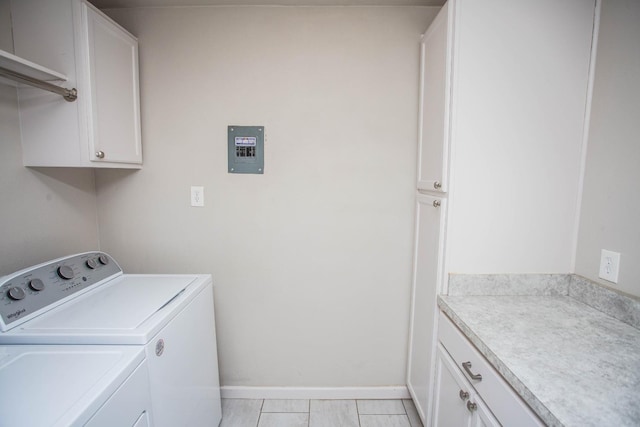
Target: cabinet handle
(464, 395)
(471, 406)
(467, 367)
(436, 203)
(437, 185)
(100, 154)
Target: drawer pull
(471, 406)
(464, 395)
(467, 367)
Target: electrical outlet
(609, 266)
(197, 196)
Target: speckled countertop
(573, 364)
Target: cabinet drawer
(505, 404)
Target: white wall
(46, 213)
(519, 94)
(610, 214)
(312, 260)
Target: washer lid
(129, 309)
(60, 385)
(122, 305)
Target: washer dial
(36, 285)
(16, 293)
(65, 272)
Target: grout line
(260, 413)
(358, 412)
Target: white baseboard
(389, 392)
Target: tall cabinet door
(427, 272)
(114, 123)
(433, 153)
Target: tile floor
(319, 413)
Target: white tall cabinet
(100, 59)
(503, 100)
(431, 209)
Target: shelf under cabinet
(14, 63)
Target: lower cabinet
(469, 392)
(456, 402)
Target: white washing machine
(68, 385)
(86, 299)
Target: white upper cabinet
(100, 59)
(433, 156)
(113, 75)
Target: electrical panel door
(246, 149)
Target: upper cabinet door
(433, 153)
(114, 122)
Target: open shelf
(19, 65)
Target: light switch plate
(197, 196)
(609, 265)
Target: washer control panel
(38, 288)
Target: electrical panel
(245, 145)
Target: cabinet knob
(437, 185)
(436, 203)
(100, 154)
(464, 395)
(471, 406)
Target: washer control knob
(16, 293)
(91, 263)
(104, 260)
(65, 272)
(36, 285)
